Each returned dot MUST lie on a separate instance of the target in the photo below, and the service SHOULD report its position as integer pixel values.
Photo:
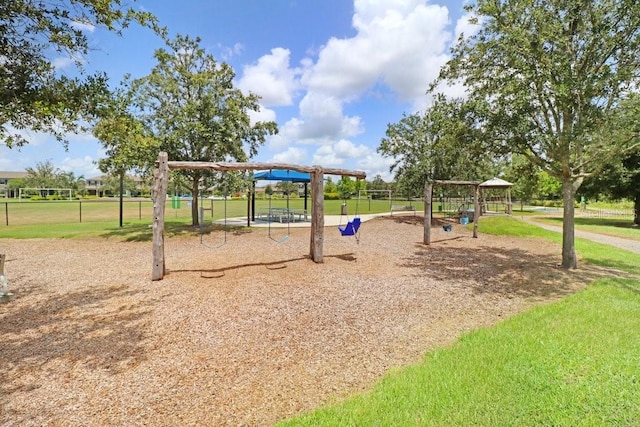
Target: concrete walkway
(618, 242)
(329, 220)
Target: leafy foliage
(128, 144)
(553, 74)
(346, 187)
(34, 94)
(189, 105)
(46, 175)
(444, 143)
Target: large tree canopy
(128, 145)
(189, 105)
(553, 73)
(443, 143)
(33, 95)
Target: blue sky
(331, 73)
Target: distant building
(94, 186)
(5, 178)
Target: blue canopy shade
(282, 175)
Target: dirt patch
(253, 331)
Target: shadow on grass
(144, 232)
(602, 222)
(89, 327)
(506, 272)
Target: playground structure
(428, 198)
(478, 202)
(161, 183)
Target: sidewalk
(618, 242)
(329, 220)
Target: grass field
(571, 363)
(619, 227)
(72, 219)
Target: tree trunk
(428, 196)
(569, 257)
(636, 209)
(195, 193)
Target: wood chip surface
(251, 332)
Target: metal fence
(79, 211)
(607, 213)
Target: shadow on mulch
(214, 273)
(79, 327)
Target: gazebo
(497, 183)
(280, 175)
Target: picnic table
(283, 214)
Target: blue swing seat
(351, 228)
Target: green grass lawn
(618, 227)
(99, 218)
(573, 362)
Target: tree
(287, 187)
(70, 180)
(189, 104)
(43, 175)
(549, 187)
(619, 180)
(443, 143)
(15, 185)
(34, 94)
(346, 187)
(377, 184)
(111, 184)
(128, 144)
(524, 176)
(551, 74)
(330, 186)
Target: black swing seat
(351, 228)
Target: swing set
(269, 220)
(201, 223)
(161, 183)
(352, 227)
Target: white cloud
(228, 52)
(401, 44)
(271, 78)
(321, 121)
(375, 164)
(264, 115)
(83, 26)
(340, 153)
(348, 150)
(325, 156)
(398, 48)
(61, 62)
(294, 155)
(42, 147)
(80, 166)
(466, 28)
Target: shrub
(332, 196)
